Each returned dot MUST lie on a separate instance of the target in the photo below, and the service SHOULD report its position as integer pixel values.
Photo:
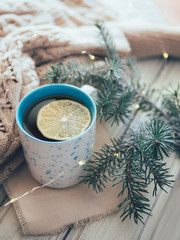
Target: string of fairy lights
(80, 163)
(13, 200)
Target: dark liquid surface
(30, 116)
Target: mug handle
(90, 90)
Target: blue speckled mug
(47, 159)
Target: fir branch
(156, 142)
(168, 111)
(107, 40)
(114, 72)
(158, 139)
(146, 104)
(75, 72)
(100, 168)
(171, 102)
(133, 181)
(129, 124)
(134, 164)
(160, 174)
(113, 103)
(164, 107)
(114, 99)
(132, 177)
(113, 62)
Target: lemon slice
(63, 119)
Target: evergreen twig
(135, 164)
(132, 164)
(107, 41)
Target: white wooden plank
(159, 207)
(150, 69)
(166, 215)
(169, 223)
(168, 76)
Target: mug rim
(34, 91)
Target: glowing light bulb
(92, 57)
(83, 52)
(137, 106)
(143, 92)
(165, 55)
(116, 154)
(11, 201)
(80, 163)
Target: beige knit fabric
(34, 33)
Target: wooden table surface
(164, 224)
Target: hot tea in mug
(63, 117)
(49, 157)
